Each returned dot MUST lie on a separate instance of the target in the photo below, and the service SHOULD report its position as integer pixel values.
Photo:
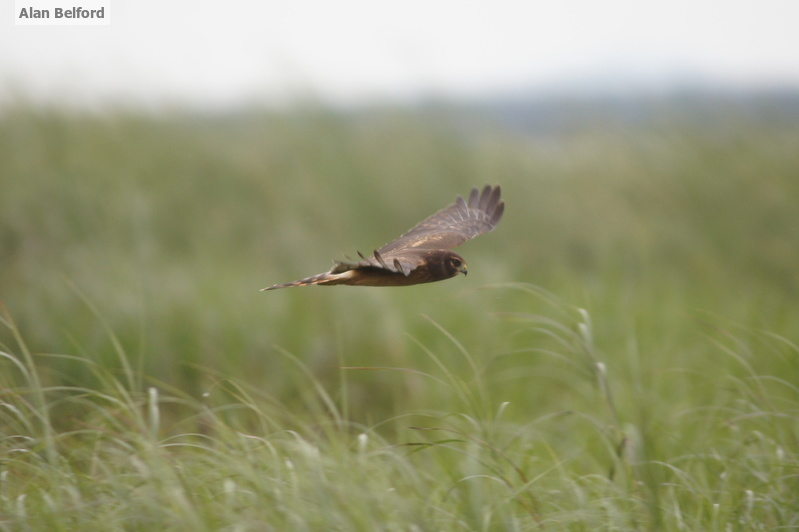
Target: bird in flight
(422, 254)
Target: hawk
(422, 254)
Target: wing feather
(453, 225)
(403, 264)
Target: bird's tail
(326, 278)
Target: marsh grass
(238, 458)
(146, 383)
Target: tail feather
(326, 278)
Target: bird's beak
(464, 270)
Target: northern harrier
(422, 254)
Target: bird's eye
(456, 263)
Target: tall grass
(147, 383)
(239, 458)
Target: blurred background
(213, 55)
(157, 172)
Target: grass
(623, 354)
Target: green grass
(623, 354)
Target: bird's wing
(453, 225)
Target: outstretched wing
(451, 226)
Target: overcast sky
(218, 53)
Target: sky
(215, 53)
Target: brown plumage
(422, 254)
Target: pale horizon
(217, 55)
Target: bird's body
(422, 254)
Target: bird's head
(456, 264)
